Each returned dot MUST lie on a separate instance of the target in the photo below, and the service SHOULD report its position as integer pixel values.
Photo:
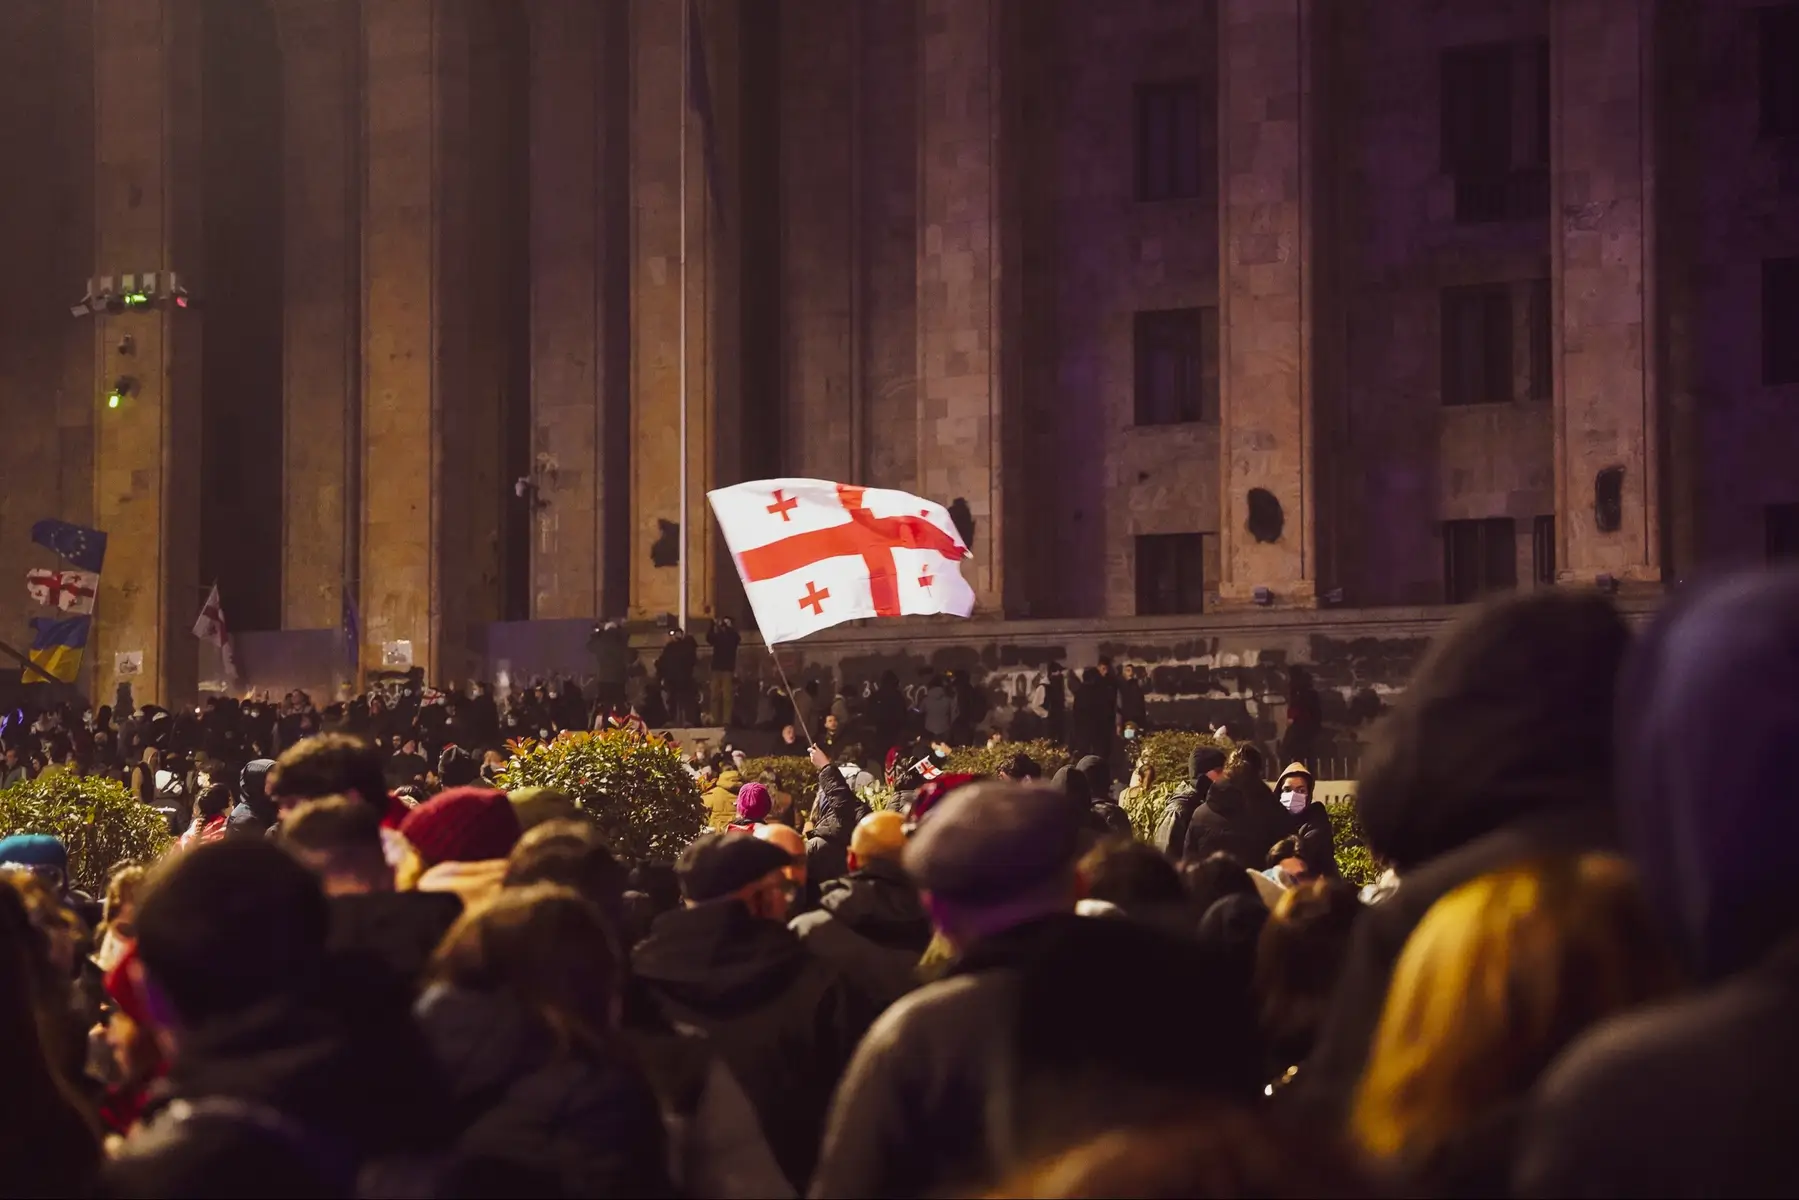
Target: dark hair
(1020, 766)
(1245, 762)
(213, 800)
(230, 924)
(1298, 958)
(1130, 874)
(335, 825)
(1213, 878)
(1287, 847)
(569, 854)
(331, 764)
(456, 767)
(659, 882)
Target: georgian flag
(71, 591)
(812, 554)
(210, 627)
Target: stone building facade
(1257, 320)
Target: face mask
(1295, 801)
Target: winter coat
(870, 925)
(535, 1118)
(395, 932)
(1498, 751)
(970, 1077)
(676, 663)
(721, 799)
(784, 1020)
(1691, 1097)
(1311, 824)
(835, 813)
(1171, 830)
(724, 649)
(1241, 818)
(611, 650)
(255, 813)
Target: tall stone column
(1603, 250)
(960, 207)
(147, 216)
(321, 363)
(1267, 112)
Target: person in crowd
(1020, 768)
(721, 797)
(835, 812)
(333, 764)
(1239, 815)
(753, 807)
(457, 768)
(610, 646)
(212, 816)
(458, 841)
(16, 768)
(1298, 958)
(338, 839)
(1093, 720)
(966, 1080)
(1500, 750)
(1287, 866)
(675, 666)
(285, 1078)
(133, 1042)
(1493, 983)
(1213, 878)
(1688, 1098)
(571, 854)
(50, 1139)
(724, 640)
(255, 813)
(522, 1017)
(870, 923)
(1133, 709)
(938, 708)
(118, 914)
(1099, 777)
(725, 962)
(802, 894)
(780, 802)
(1139, 881)
(1308, 820)
(1205, 766)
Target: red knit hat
(465, 824)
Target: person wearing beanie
(459, 841)
(870, 923)
(753, 806)
(1204, 768)
(41, 854)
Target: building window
(1175, 140)
(1542, 549)
(1780, 321)
(1172, 575)
(1176, 365)
(1477, 344)
(1495, 129)
(1782, 532)
(1542, 341)
(1778, 36)
(1479, 557)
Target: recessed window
(1479, 557)
(1542, 549)
(1176, 366)
(1175, 571)
(1495, 129)
(1175, 141)
(1477, 344)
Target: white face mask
(1295, 801)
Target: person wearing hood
(721, 797)
(1240, 816)
(1498, 751)
(1691, 1098)
(1309, 821)
(1205, 766)
(835, 812)
(725, 962)
(870, 923)
(255, 812)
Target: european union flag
(84, 547)
(56, 647)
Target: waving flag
(71, 591)
(813, 554)
(56, 647)
(210, 627)
(84, 547)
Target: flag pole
(686, 53)
(796, 708)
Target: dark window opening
(1175, 137)
(1495, 129)
(1542, 341)
(1171, 573)
(1778, 43)
(1542, 549)
(1176, 369)
(1782, 532)
(1780, 321)
(1477, 344)
(1479, 557)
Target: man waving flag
(813, 554)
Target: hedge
(634, 788)
(1049, 756)
(99, 821)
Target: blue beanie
(34, 850)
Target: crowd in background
(1575, 977)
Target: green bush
(634, 788)
(1354, 861)
(796, 776)
(100, 822)
(1145, 807)
(1169, 750)
(985, 760)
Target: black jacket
(395, 932)
(1177, 815)
(835, 813)
(784, 1020)
(724, 649)
(678, 659)
(1317, 838)
(534, 1119)
(255, 812)
(968, 1078)
(870, 925)
(611, 650)
(1241, 818)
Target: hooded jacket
(721, 799)
(870, 925)
(1499, 750)
(784, 1021)
(1692, 1097)
(1171, 830)
(1311, 824)
(835, 813)
(1241, 818)
(255, 813)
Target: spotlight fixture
(122, 387)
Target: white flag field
(813, 554)
(210, 627)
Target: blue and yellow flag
(56, 647)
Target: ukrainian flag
(56, 646)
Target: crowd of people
(357, 980)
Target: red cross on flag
(71, 591)
(813, 554)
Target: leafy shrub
(1145, 806)
(795, 775)
(100, 822)
(634, 788)
(1354, 861)
(985, 760)
(1169, 750)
